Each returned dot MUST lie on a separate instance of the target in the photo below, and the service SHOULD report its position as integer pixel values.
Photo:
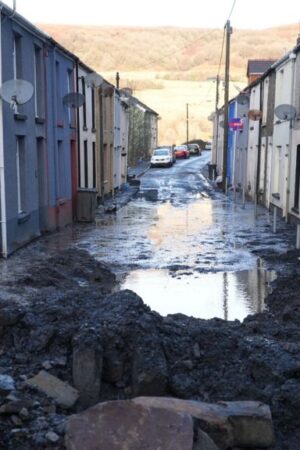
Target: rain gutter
(2, 174)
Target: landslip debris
(110, 346)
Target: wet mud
(61, 305)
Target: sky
(186, 13)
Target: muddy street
(116, 310)
(186, 249)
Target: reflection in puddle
(227, 295)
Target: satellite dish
(16, 92)
(93, 79)
(221, 123)
(255, 114)
(285, 112)
(73, 100)
(243, 99)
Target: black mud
(67, 301)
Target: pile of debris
(75, 342)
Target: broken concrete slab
(87, 371)
(126, 425)
(229, 424)
(61, 392)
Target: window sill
(40, 120)
(20, 117)
(61, 201)
(60, 123)
(276, 196)
(23, 217)
(94, 130)
(85, 128)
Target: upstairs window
(39, 86)
(21, 171)
(59, 100)
(17, 57)
(83, 90)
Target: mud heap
(108, 345)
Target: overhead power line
(223, 41)
(232, 9)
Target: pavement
(138, 170)
(127, 191)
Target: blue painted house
(61, 136)
(38, 174)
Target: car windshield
(161, 152)
(180, 148)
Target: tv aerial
(243, 99)
(93, 79)
(73, 100)
(285, 112)
(16, 92)
(255, 114)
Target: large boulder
(245, 424)
(168, 423)
(126, 425)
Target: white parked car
(162, 157)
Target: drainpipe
(113, 116)
(100, 93)
(292, 57)
(258, 147)
(78, 128)
(55, 144)
(2, 174)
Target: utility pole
(217, 116)
(226, 99)
(217, 91)
(117, 80)
(187, 123)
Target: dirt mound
(112, 346)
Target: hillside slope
(169, 67)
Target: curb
(143, 172)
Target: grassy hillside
(169, 67)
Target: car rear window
(161, 152)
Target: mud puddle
(226, 295)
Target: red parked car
(181, 151)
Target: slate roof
(258, 66)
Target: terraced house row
(64, 132)
(263, 153)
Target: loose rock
(6, 384)
(63, 394)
